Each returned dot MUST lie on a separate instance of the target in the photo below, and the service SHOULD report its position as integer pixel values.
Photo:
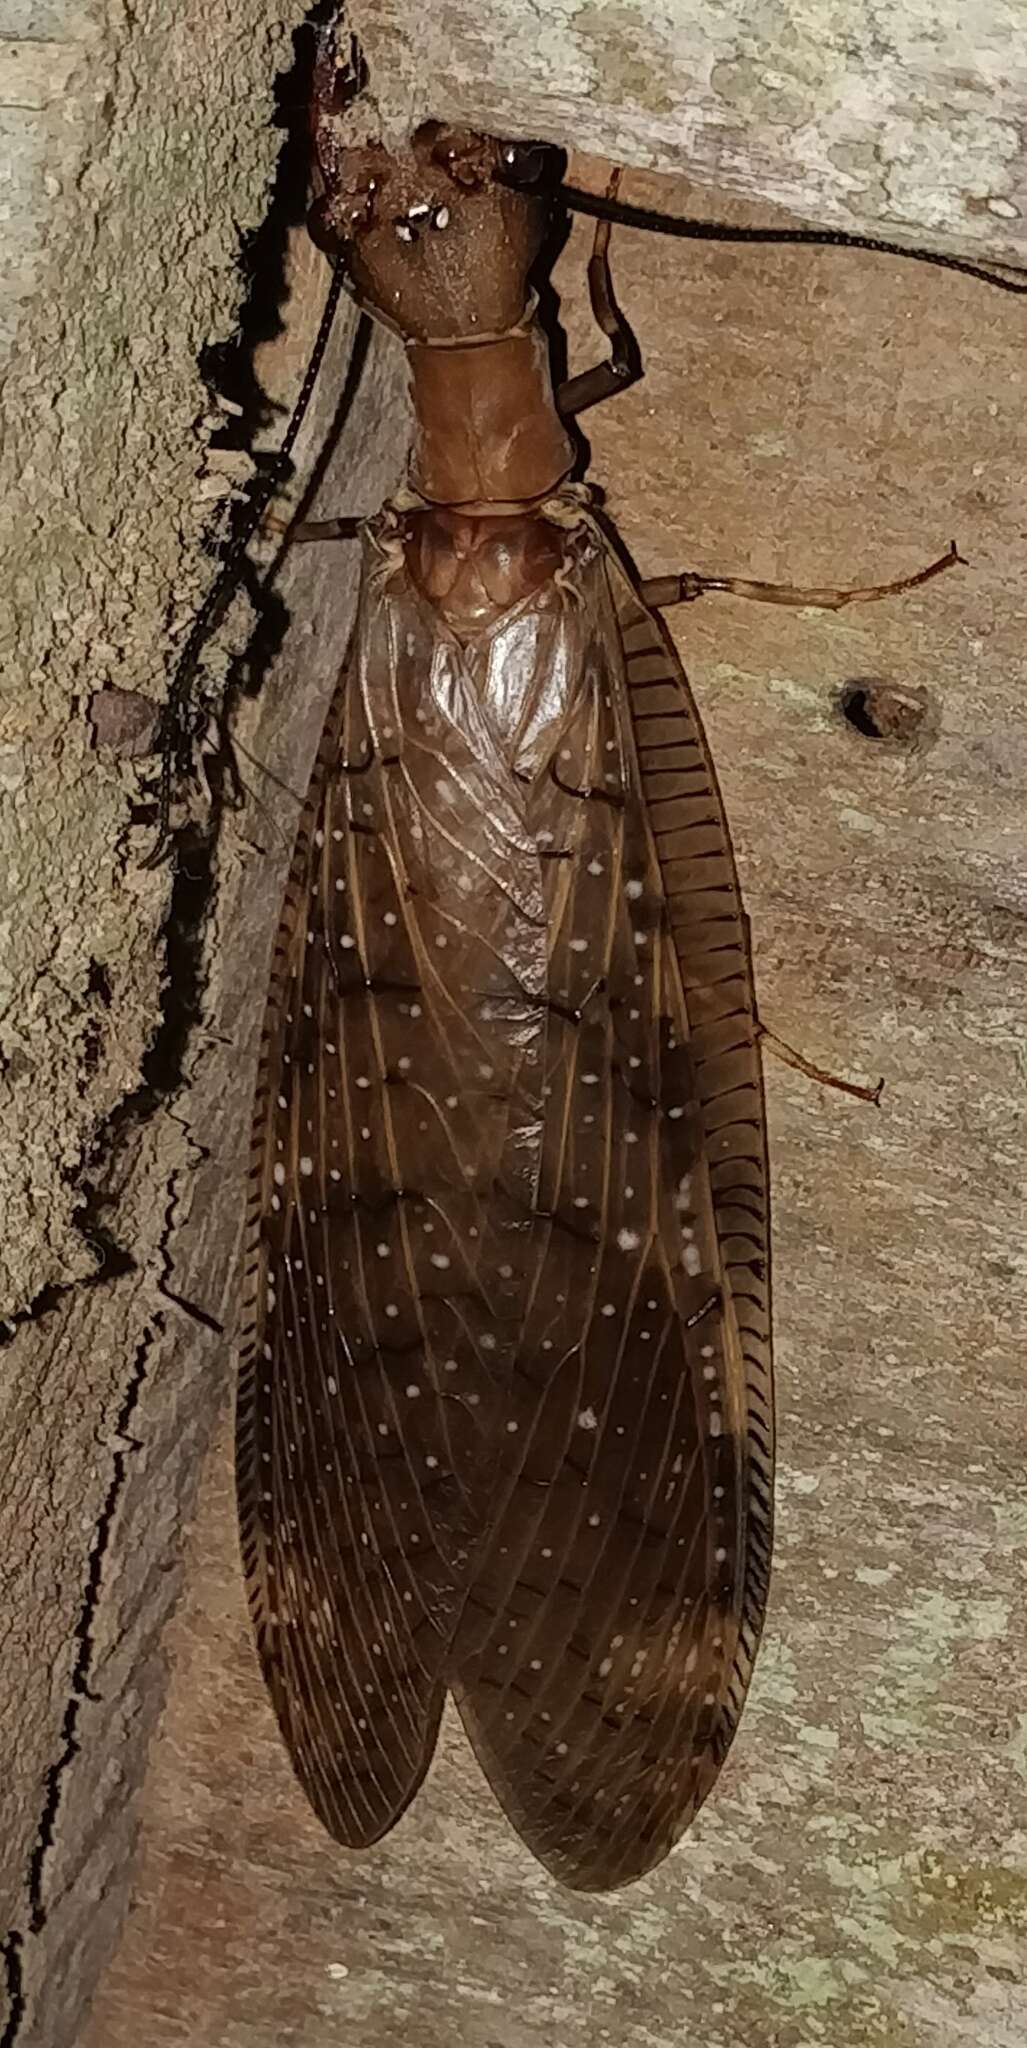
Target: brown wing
(398, 1127)
(618, 1598)
(495, 1427)
(343, 1574)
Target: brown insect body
(505, 1421)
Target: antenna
(621, 212)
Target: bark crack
(113, 1262)
(80, 1691)
(162, 1076)
(11, 1951)
(200, 1153)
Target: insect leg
(790, 1058)
(623, 365)
(658, 592)
(346, 528)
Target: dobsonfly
(505, 1410)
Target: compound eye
(525, 165)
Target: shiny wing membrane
(504, 1421)
(620, 1593)
(400, 1084)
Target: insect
(505, 1414)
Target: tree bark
(143, 152)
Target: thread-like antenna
(622, 213)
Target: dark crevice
(98, 990)
(11, 1950)
(42, 1304)
(228, 370)
(92, 1046)
(856, 709)
(192, 1309)
(98, 982)
(112, 1263)
(227, 367)
(193, 889)
(191, 709)
(163, 1072)
(79, 1690)
(192, 896)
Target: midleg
(346, 528)
(790, 1058)
(658, 592)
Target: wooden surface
(893, 119)
(860, 1877)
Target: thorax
(474, 568)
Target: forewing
(402, 1065)
(617, 1599)
(341, 1594)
